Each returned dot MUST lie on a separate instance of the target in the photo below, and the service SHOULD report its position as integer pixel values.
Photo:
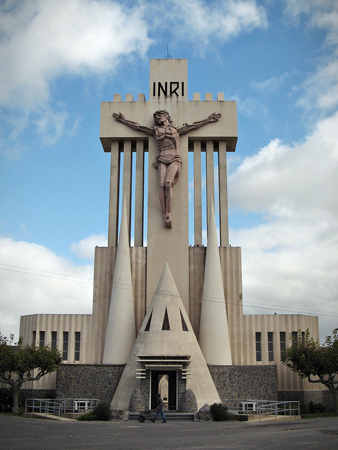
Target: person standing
(159, 409)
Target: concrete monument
(168, 309)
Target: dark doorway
(156, 381)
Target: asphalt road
(18, 433)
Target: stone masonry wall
(232, 382)
(245, 382)
(88, 381)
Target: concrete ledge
(48, 417)
(255, 418)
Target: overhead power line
(44, 273)
(78, 279)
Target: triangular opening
(147, 328)
(166, 326)
(184, 325)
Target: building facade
(165, 312)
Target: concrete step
(170, 415)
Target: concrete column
(114, 195)
(223, 194)
(210, 173)
(139, 194)
(127, 173)
(197, 194)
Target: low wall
(245, 382)
(324, 398)
(88, 381)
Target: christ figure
(168, 163)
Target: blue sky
(277, 59)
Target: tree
(314, 361)
(17, 363)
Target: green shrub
(88, 416)
(6, 399)
(219, 412)
(102, 411)
(316, 407)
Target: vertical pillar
(197, 194)
(223, 194)
(139, 183)
(210, 173)
(127, 171)
(114, 195)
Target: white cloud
(35, 280)
(271, 85)
(291, 258)
(203, 22)
(322, 13)
(86, 247)
(298, 180)
(43, 40)
(50, 126)
(254, 109)
(320, 88)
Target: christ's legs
(168, 193)
(169, 182)
(161, 171)
(167, 177)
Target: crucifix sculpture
(168, 162)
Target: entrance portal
(165, 383)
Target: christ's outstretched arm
(214, 117)
(134, 125)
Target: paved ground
(18, 433)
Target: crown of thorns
(162, 112)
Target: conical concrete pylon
(121, 332)
(213, 332)
(166, 333)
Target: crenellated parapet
(208, 97)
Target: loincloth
(161, 159)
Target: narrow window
(42, 339)
(303, 337)
(147, 328)
(282, 338)
(54, 340)
(258, 346)
(77, 345)
(65, 346)
(166, 326)
(294, 337)
(34, 338)
(184, 325)
(270, 346)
